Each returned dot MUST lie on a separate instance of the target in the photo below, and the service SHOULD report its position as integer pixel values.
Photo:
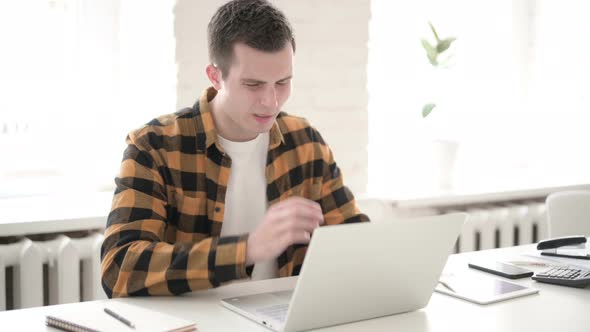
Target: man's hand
(285, 223)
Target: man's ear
(214, 75)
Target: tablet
(481, 289)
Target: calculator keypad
(565, 276)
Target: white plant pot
(445, 155)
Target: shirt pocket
(191, 213)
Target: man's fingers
(297, 236)
(299, 225)
(305, 213)
(299, 202)
(307, 202)
(297, 214)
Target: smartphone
(502, 269)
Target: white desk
(555, 308)
(54, 214)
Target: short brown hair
(256, 23)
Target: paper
(579, 263)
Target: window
(77, 76)
(513, 101)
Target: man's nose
(269, 99)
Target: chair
(568, 213)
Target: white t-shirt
(245, 198)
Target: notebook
(91, 317)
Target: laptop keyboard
(276, 311)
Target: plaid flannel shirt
(163, 231)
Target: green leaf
(434, 32)
(426, 109)
(431, 52)
(444, 44)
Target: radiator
(488, 226)
(502, 225)
(59, 270)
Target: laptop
(354, 272)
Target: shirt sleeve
(337, 201)
(136, 259)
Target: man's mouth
(263, 118)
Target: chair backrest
(568, 213)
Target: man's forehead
(250, 63)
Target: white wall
(330, 84)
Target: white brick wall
(329, 87)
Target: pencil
(119, 318)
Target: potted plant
(434, 53)
(444, 151)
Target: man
(231, 188)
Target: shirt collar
(275, 135)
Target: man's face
(251, 96)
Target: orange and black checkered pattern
(163, 232)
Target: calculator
(565, 276)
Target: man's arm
(337, 201)
(136, 260)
